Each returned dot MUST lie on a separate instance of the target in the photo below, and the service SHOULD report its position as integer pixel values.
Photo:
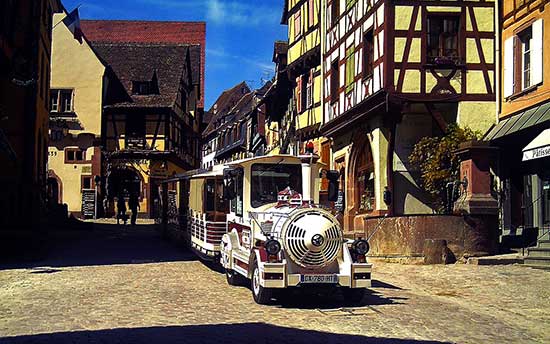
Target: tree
(438, 164)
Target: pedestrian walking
(121, 209)
(133, 204)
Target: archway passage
(123, 181)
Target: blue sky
(239, 33)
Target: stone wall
(408, 236)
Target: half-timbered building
(395, 71)
(235, 131)
(276, 103)
(303, 118)
(523, 129)
(215, 118)
(150, 130)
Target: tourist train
(260, 219)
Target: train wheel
(353, 296)
(233, 278)
(261, 295)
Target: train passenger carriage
(193, 210)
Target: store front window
(365, 181)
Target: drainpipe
(497, 59)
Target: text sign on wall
(88, 204)
(536, 153)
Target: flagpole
(77, 7)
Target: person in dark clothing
(121, 209)
(133, 204)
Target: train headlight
(361, 246)
(272, 247)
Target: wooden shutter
(509, 79)
(536, 53)
(299, 94)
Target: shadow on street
(256, 333)
(103, 244)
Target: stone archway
(54, 188)
(124, 180)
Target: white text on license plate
(319, 278)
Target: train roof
(269, 158)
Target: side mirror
(333, 185)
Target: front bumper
(275, 275)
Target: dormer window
(142, 87)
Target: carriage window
(234, 184)
(214, 200)
(269, 179)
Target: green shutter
(350, 3)
(350, 68)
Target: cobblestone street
(109, 285)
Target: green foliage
(437, 163)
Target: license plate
(318, 278)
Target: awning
(539, 147)
(524, 120)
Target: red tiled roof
(135, 31)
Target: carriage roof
(268, 159)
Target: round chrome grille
(312, 238)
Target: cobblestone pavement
(128, 286)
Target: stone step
(544, 261)
(540, 267)
(538, 252)
(544, 244)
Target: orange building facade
(523, 110)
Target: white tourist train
(260, 217)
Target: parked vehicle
(260, 217)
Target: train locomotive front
(291, 243)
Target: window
(311, 12)
(214, 201)
(350, 68)
(61, 101)
(443, 38)
(268, 179)
(87, 183)
(141, 87)
(525, 39)
(297, 24)
(54, 101)
(74, 155)
(334, 81)
(523, 65)
(235, 183)
(335, 11)
(368, 53)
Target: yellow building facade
(76, 101)
(304, 116)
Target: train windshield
(269, 179)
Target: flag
(72, 22)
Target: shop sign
(536, 153)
